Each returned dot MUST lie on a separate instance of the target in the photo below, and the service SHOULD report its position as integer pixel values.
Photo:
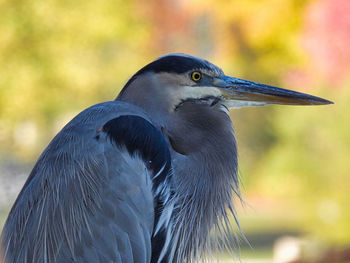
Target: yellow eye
(196, 76)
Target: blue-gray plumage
(87, 199)
(144, 178)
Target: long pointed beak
(240, 93)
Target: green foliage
(309, 163)
(306, 168)
(61, 56)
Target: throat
(204, 161)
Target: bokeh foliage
(58, 57)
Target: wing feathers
(90, 197)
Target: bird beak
(242, 93)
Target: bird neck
(204, 160)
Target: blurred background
(58, 57)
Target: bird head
(177, 78)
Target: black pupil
(196, 76)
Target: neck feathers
(205, 179)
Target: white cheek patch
(195, 92)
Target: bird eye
(196, 76)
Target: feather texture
(90, 197)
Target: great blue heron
(143, 178)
